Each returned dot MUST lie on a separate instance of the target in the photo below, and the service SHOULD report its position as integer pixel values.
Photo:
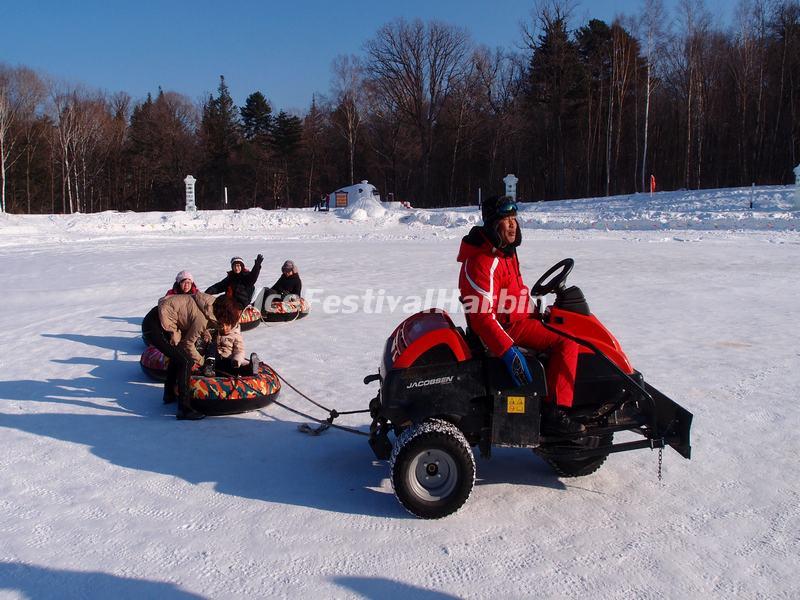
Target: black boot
(169, 396)
(209, 367)
(185, 412)
(556, 421)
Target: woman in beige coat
(183, 319)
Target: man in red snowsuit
(498, 309)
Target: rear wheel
(567, 466)
(433, 469)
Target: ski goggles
(506, 208)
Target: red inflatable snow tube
(231, 394)
(250, 319)
(154, 363)
(224, 394)
(286, 310)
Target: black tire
(433, 469)
(578, 467)
(250, 325)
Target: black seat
(476, 345)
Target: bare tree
(499, 77)
(80, 123)
(693, 23)
(348, 92)
(651, 23)
(416, 67)
(21, 92)
(625, 51)
(747, 69)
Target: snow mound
(463, 217)
(363, 209)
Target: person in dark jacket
(239, 283)
(289, 283)
(498, 309)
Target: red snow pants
(563, 357)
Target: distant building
(349, 194)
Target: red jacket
(492, 289)
(175, 290)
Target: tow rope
(324, 424)
(305, 427)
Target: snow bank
(772, 209)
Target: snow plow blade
(673, 422)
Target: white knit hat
(184, 275)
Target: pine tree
(286, 136)
(557, 88)
(160, 148)
(256, 117)
(220, 130)
(256, 155)
(313, 127)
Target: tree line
(432, 118)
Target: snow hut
(345, 196)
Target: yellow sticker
(516, 404)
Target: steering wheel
(542, 287)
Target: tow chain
(324, 423)
(660, 459)
(305, 428)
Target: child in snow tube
(226, 353)
(228, 382)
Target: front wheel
(433, 469)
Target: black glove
(259, 260)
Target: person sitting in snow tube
(289, 283)
(226, 394)
(181, 320)
(240, 284)
(283, 301)
(184, 284)
(229, 383)
(225, 354)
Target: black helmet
(496, 207)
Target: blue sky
(283, 49)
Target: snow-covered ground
(103, 494)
